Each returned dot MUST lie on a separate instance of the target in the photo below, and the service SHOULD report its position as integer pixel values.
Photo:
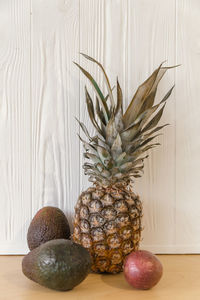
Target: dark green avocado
(57, 264)
(49, 223)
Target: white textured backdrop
(41, 91)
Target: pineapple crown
(116, 153)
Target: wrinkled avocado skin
(57, 264)
(49, 223)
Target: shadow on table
(19, 280)
(116, 280)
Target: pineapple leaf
(142, 93)
(130, 133)
(167, 95)
(151, 110)
(99, 167)
(135, 145)
(99, 112)
(88, 146)
(90, 108)
(119, 98)
(106, 78)
(92, 173)
(93, 157)
(137, 169)
(154, 121)
(140, 160)
(129, 158)
(160, 76)
(98, 91)
(130, 166)
(148, 140)
(83, 127)
(125, 167)
(133, 129)
(139, 97)
(140, 151)
(116, 148)
(103, 128)
(102, 143)
(155, 130)
(93, 82)
(107, 96)
(99, 179)
(105, 173)
(149, 101)
(104, 156)
(137, 121)
(141, 142)
(119, 175)
(95, 171)
(134, 142)
(87, 166)
(111, 131)
(119, 110)
(120, 158)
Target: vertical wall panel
(15, 126)
(55, 103)
(91, 43)
(151, 40)
(188, 127)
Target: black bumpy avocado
(49, 223)
(57, 264)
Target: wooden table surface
(181, 280)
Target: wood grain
(148, 46)
(180, 281)
(92, 33)
(187, 126)
(15, 124)
(55, 103)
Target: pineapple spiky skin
(108, 223)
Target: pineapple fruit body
(108, 215)
(108, 223)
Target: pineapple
(108, 215)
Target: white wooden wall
(41, 91)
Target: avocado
(49, 223)
(58, 264)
